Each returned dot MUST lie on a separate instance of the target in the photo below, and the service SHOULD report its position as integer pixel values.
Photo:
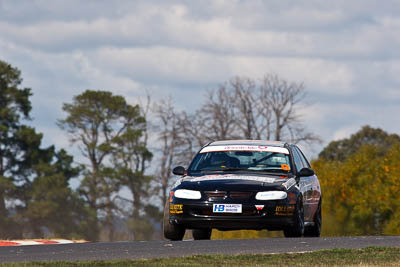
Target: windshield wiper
(224, 169)
(262, 159)
(275, 171)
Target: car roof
(248, 142)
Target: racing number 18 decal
(219, 208)
(227, 208)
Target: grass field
(373, 256)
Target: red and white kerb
(245, 148)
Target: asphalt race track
(152, 249)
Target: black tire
(171, 231)
(315, 230)
(297, 230)
(201, 234)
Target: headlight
(188, 194)
(271, 195)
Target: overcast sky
(346, 53)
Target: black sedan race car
(245, 184)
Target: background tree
(341, 149)
(190, 135)
(14, 107)
(95, 120)
(171, 143)
(242, 108)
(33, 180)
(131, 160)
(51, 208)
(360, 189)
(391, 167)
(281, 98)
(252, 117)
(218, 115)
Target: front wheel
(201, 234)
(297, 230)
(171, 231)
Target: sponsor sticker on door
(227, 208)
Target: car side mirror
(179, 171)
(306, 172)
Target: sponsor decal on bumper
(175, 208)
(284, 210)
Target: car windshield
(265, 161)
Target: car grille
(235, 195)
(218, 195)
(215, 194)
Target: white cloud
(318, 75)
(174, 25)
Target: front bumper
(275, 215)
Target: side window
(297, 159)
(303, 158)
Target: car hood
(234, 182)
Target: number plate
(227, 208)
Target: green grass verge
(372, 256)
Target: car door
(305, 185)
(315, 192)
